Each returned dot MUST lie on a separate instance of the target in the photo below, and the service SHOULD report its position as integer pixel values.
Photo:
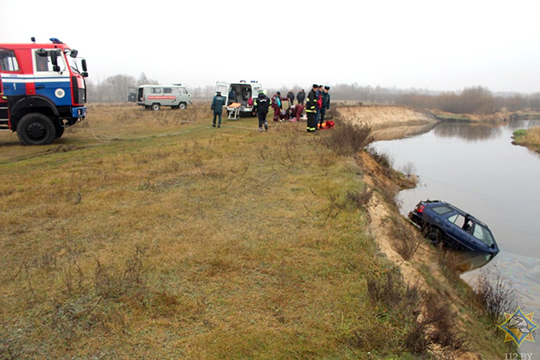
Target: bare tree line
(472, 100)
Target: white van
(155, 96)
(244, 94)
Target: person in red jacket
(296, 112)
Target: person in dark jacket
(232, 96)
(319, 103)
(300, 97)
(325, 97)
(290, 95)
(262, 104)
(311, 109)
(217, 106)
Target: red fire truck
(42, 90)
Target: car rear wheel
(434, 235)
(155, 107)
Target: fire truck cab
(42, 90)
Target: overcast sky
(436, 45)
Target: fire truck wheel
(182, 106)
(155, 107)
(36, 129)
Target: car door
(457, 236)
(169, 97)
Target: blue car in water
(442, 222)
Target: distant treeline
(473, 100)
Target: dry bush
(393, 293)
(404, 240)
(347, 138)
(450, 262)
(384, 159)
(359, 199)
(435, 328)
(495, 293)
(111, 283)
(408, 169)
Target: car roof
(439, 202)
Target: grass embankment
(153, 235)
(529, 138)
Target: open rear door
(132, 94)
(223, 87)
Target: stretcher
(233, 111)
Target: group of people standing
(318, 101)
(300, 97)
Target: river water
(476, 168)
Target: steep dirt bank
(388, 121)
(425, 267)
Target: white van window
(167, 90)
(183, 91)
(156, 91)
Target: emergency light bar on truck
(43, 90)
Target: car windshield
(483, 234)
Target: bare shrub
(408, 169)
(449, 261)
(111, 283)
(437, 326)
(404, 240)
(359, 199)
(347, 139)
(384, 159)
(393, 293)
(495, 293)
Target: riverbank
(529, 138)
(389, 121)
(145, 234)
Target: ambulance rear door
(223, 87)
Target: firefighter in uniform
(311, 109)
(262, 103)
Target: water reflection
(522, 124)
(467, 131)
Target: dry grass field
(152, 235)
